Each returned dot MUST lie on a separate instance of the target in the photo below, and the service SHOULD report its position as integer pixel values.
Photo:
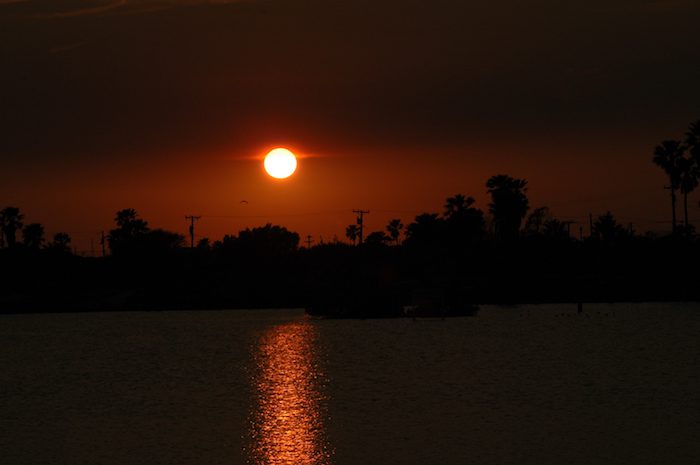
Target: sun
(280, 163)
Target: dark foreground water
(619, 384)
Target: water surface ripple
(528, 385)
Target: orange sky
(319, 197)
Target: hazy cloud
(91, 8)
(71, 9)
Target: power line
(280, 215)
(401, 212)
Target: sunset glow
(280, 163)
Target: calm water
(519, 385)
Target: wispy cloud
(645, 6)
(105, 7)
(99, 9)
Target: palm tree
(10, 222)
(129, 229)
(692, 138)
(457, 204)
(509, 204)
(33, 236)
(689, 172)
(666, 157)
(692, 141)
(352, 232)
(394, 229)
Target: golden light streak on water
(287, 422)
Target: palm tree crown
(10, 222)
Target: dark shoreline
(28, 309)
(365, 281)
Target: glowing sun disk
(280, 163)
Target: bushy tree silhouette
(426, 231)
(268, 240)
(509, 204)
(33, 236)
(128, 221)
(607, 229)
(159, 241)
(377, 238)
(61, 242)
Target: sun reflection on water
(287, 422)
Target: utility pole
(360, 221)
(192, 219)
(102, 242)
(308, 241)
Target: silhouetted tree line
(132, 237)
(11, 222)
(508, 253)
